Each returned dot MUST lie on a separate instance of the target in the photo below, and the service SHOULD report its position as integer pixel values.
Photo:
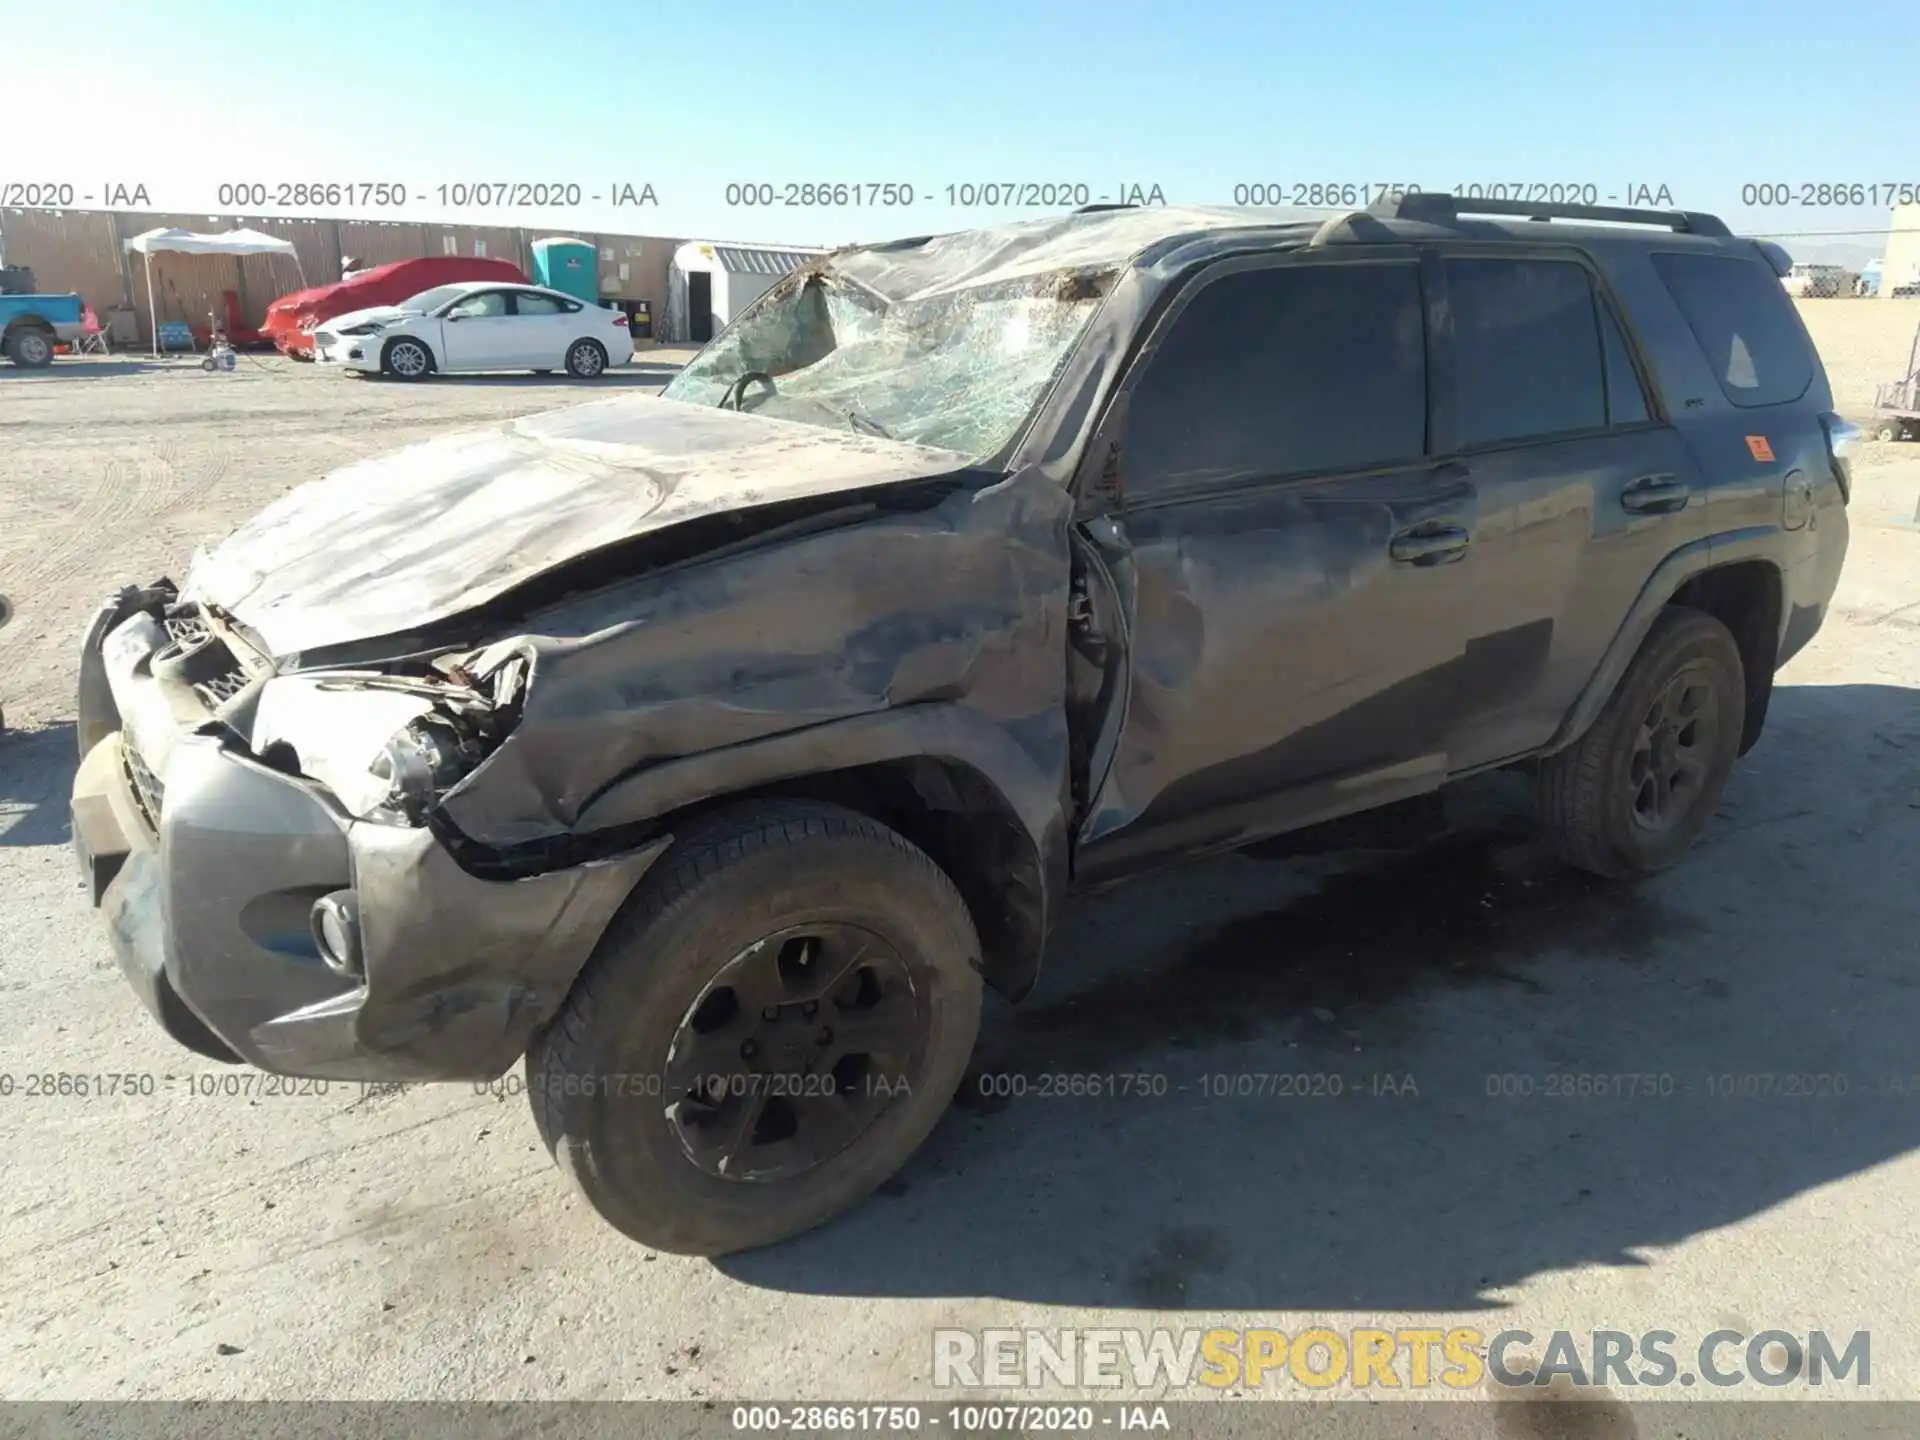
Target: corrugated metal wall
(375, 242)
(69, 250)
(81, 250)
(493, 241)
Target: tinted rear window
(1528, 349)
(1745, 324)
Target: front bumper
(348, 352)
(205, 865)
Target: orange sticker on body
(1759, 446)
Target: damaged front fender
(935, 626)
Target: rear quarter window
(1745, 325)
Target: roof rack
(1106, 205)
(1438, 208)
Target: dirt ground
(1864, 343)
(418, 1243)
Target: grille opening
(148, 793)
(222, 688)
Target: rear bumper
(1810, 580)
(205, 866)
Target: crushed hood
(424, 533)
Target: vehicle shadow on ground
(65, 370)
(36, 780)
(1470, 973)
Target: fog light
(336, 930)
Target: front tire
(770, 1027)
(405, 359)
(586, 360)
(1633, 794)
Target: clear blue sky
(1195, 97)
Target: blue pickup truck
(31, 325)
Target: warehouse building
(1900, 265)
(708, 284)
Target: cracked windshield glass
(957, 371)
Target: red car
(291, 319)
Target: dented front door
(1295, 576)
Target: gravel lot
(419, 1243)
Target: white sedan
(477, 325)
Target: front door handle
(1429, 544)
(1655, 495)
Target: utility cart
(1896, 404)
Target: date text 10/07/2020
(965, 195)
(1311, 194)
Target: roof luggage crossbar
(1438, 208)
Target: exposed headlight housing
(366, 327)
(421, 763)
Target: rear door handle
(1429, 544)
(1655, 495)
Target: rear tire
(30, 347)
(586, 360)
(660, 1004)
(1633, 794)
(1887, 431)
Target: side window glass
(490, 303)
(1528, 349)
(1296, 370)
(1626, 402)
(527, 302)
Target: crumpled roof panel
(905, 270)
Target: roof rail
(1438, 208)
(1106, 205)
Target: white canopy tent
(187, 242)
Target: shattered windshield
(959, 369)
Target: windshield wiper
(735, 393)
(860, 420)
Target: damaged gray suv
(712, 751)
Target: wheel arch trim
(1716, 552)
(1021, 792)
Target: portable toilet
(567, 266)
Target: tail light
(1843, 444)
(620, 319)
